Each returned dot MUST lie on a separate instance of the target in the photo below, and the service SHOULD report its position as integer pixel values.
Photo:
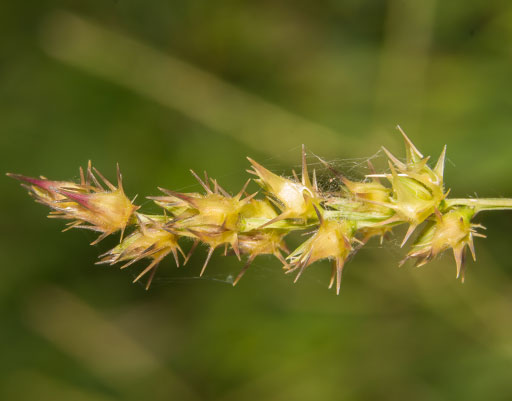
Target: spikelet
(418, 190)
(295, 199)
(257, 241)
(454, 231)
(265, 242)
(151, 241)
(88, 204)
(365, 201)
(212, 218)
(45, 191)
(333, 240)
(339, 222)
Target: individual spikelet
(295, 198)
(367, 199)
(417, 190)
(454, 231)
(333, 240)
(262, 242)
(151, 241)
(89, 205)
(212, 218)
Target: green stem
(370, 216)
(482, 204)
(254, 223)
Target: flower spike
(337, 222)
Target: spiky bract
(88, 204)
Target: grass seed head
(339, 222)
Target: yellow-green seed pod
(150, 241)
(452, 230)
(295, 199)
(88, 204)
(417, 189)
(333, 240)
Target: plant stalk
(481, 204)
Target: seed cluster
(338, 222)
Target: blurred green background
(164, 86)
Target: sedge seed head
(341, 221)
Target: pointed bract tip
(410, 230)
(339, 271)
(409, 145)
(42, 183)
(258, 167)
(393, 159)
(82, 199)
(205, 185)
(318, 214)
(439, 168)
(210, 252)
(119, 178)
